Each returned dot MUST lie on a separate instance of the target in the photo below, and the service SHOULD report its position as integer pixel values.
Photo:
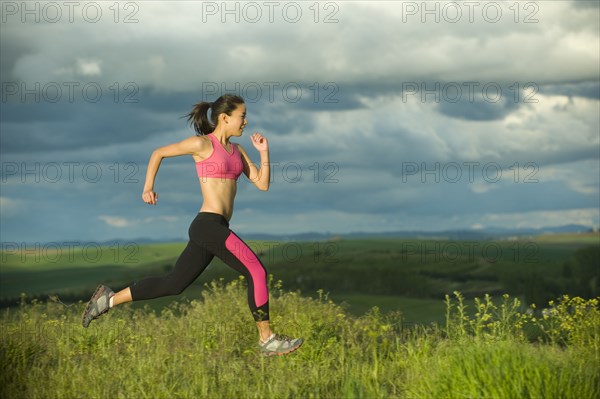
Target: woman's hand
(259, 142)
(150, 197)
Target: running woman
(219, 163)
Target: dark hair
(199, 119)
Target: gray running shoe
(97, 305)
(280, 345)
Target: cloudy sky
(381, 116)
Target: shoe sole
(98, 292)
(283, 353)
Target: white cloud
(391, 131)
(353, 49)
(10, 207)
(115, 221)
(122, 222)
(88, 67)
(483, 187)
(582, 177)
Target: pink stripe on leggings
(245, 255)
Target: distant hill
(458, 234)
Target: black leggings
(210, 236)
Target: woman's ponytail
(199, 119)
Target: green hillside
(409, 275)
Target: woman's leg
(239, 256)
(209, 236)
(192, 261)
(234, 252)
(122, 296)
(264, 330)
(190, 264)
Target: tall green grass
(208, 349)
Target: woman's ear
(223, 117)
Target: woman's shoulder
(202, 147)
(197, 141)
(200, 141)
(205, 138)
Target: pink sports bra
(220, 163)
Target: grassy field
(207, 349)
(414, 310)
(384, 318)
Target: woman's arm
(189, 146)
(260, 177)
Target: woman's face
(237, 120)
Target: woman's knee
(173, 288)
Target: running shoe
(280, 345)
(97, 305)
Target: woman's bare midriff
(219, 195)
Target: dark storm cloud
(587, 89)
(22, 112)
(479, 110)
(31, 123)
(279, 119)
(12, 50)
(428, 197)
(585, 4)
(77, 126)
